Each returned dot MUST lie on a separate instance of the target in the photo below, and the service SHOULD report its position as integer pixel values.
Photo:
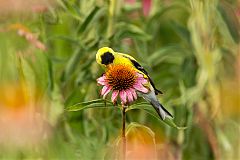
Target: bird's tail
(162, 112)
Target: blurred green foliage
(189, 47)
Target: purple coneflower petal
(146, 6)
(139, 75)
(114, 96)
(140, 87)
(105, 90)
(123, 96)
(102, 80)
(129, 95)
(142, 80)
(134, 93)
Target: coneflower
(124, 81)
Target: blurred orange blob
(20, 124)
(140, 142)
(230, 94)
(230, 99)
(13, 97)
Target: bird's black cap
(107, 58)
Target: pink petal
(123, 96)
(105, 90)
(140, 75)
(102, 80)
(114, 96)
(134, 93)
(146, 4)
(140, 87)
(129, 95)
(142, 80)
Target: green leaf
(130, 30)
(160, 13)
(56, 105)
(50, 75)
(71, 65)
(160, 53)
(97, 103)
(169, 54)
(65, 38)
(230, 19)
(71, 9)
(96, 12)
(182, 31)
(149, 109)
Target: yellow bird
(106, 57)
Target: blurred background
(47, 64)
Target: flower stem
(123, 133)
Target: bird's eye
(107, 58)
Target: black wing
(140, 68)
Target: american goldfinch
(106, 57)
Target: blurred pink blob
(130, 1)
(24, 6)
(146, 6)
(28, 35)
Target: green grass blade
(97, 103)
(149, 109)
